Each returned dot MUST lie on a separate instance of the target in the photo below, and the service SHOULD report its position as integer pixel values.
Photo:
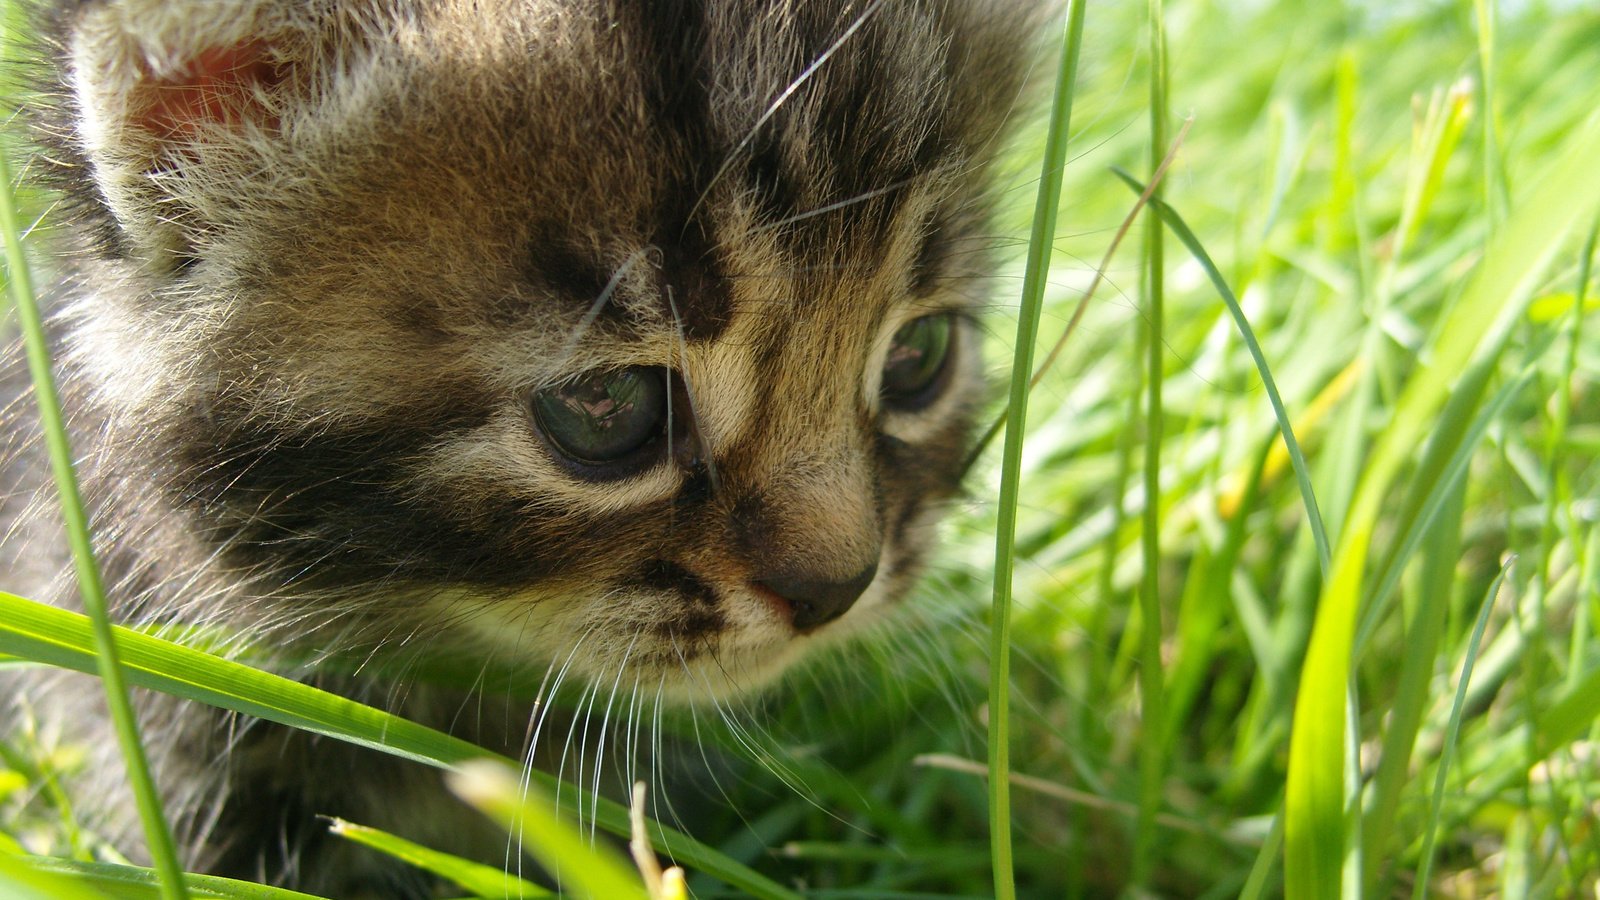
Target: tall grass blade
(1444, 463)
(21, 881)
(1452, 732)
(1571, 715)
(1424, 632)
(1082, 305)
(1034, 278)
(1152, 677)
(1256, 885)
(1438, 133)
(1302, 472)
(481, 880)
(158, 837)
(58, 637)
(580, 869)
(1494, 180)
(137, 883)
(1477, 326)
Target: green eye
(604, 417)
(918, 357)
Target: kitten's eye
(913, 375)
(603, 417)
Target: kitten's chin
(712, 679)
(625, 640)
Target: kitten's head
(632, 334)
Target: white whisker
(777, 104)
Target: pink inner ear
(220, 86)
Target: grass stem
(1040, 245)
(158, 837)
(1152, 693)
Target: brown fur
(306, 313)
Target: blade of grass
(62, 638)
(1424, 630)
(1476, 327)
(1556, 474)
(1444, 462)
(1573, 714)
(1152, 679)
(1035, 276)
(1286, 429)
(1453, 731)
(1437, 134)
(518, 806)
(485, 881)
(157, 835)
(1255, 886)
(1062, 792)
(45, 634)
(19, 880)
(1202, 607)
(1494, 183)
(1302, 472)
(1082, 306)
(136, 883)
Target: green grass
(1217, 687)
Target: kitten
(630, 339)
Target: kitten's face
(635, 335)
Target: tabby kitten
(631, 339)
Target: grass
(1206, 698)
(157, 835)
(1035, 274)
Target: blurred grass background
(1347, 167)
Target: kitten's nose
(817, 602)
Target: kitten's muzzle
(816, 602)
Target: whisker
(831, 207)
(777, 104)
(570, 345)
(600, 740)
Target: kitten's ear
(176, 96)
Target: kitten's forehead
(624, 160)
(698, 144)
